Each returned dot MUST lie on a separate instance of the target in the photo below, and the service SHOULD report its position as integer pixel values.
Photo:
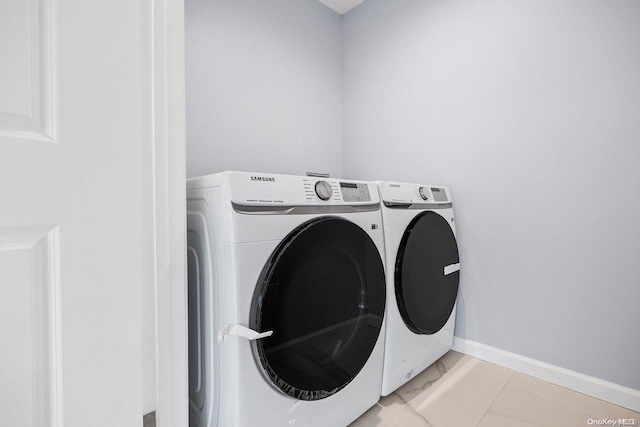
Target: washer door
(322, 293)
(426, 285)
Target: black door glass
(323, 294)
(425, 295)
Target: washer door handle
(247, 333)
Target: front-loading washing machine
(286, 300)
(423, 271)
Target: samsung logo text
(263, 178)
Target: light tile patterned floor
(461, 391)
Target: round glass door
(322, 293)
(426, 287)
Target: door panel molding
(28, 92)
(30, 295)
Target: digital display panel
(439, 195)
(348, 185)
(355, 192)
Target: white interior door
(77, 221)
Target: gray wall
(530, 112)
(264, 86)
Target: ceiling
(341, 6)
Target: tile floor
(461, 391)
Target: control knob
(323, 190)
(423, 193)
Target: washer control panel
(347, 192)
(403, 193)
(287, 190)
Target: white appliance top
(263, 189)
(402, 193)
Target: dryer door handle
(247, 333)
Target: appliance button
(323, 190)
(423, 193)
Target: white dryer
(422, 278)
(286, 300)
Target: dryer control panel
(251, 189)
(413, 194)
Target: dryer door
(322, 292)
(427, 273)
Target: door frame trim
(169, 164)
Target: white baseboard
(601, 389)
